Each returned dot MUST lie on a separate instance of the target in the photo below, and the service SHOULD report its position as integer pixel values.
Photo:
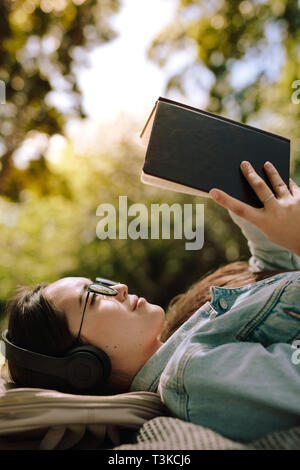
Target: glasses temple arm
(86, 301)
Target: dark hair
(35, 324)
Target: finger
(294, 188)
(258, 185)
(239, 208)
(279, 186)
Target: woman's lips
(140, 301)
(136, 299)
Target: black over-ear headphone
(84, 368)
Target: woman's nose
(122, 291)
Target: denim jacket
(229, 367)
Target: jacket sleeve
(265, 255)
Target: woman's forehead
(66, 285)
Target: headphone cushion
(87, 367)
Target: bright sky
(121, 78)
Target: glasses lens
(99, 289)
(106, 282)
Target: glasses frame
(101, 287)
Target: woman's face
(125, 329)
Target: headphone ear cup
(87, 368)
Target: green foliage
(42, 44)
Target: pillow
(55, 420)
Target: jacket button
(223, 303)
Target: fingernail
(214, 194)
(245, 164)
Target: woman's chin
(158, 309)
(152, 307)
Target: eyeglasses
(100, 286)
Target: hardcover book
(192, 151)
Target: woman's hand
(279, 219)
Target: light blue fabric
(229, 367)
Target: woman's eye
(93, 299)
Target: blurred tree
(257, 41)
(42, 43)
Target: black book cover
(203, 150)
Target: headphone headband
(34, 361)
